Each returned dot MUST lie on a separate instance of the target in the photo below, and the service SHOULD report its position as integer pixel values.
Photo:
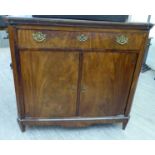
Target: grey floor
(140, 126)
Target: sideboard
(75, 72)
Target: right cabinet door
(106, 81)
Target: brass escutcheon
(82, 37)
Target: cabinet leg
(21, 125)
(125, 122)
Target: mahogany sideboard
(75, 72)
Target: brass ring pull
(82, 38)
(39, 36)
(122, 39)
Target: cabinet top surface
(72, 22)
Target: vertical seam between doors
(79, 82)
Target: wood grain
(54, 39)
(136, 75)
(50, 83)
(106, 78)
(60, 39)
(107, 40)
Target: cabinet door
(106, 80)
(49, 80)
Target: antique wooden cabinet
(75, 73)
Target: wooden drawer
(56, 39)
(117, 40)
(53, 39)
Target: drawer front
(53, 39)
(117, 40)
(61, 39)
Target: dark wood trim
(21, 125)
(79, 81)
(74, 29)
(136, 76)
(16, 71)
(125, 122)
(124, 125)
(70, 22)
(120, 117)
(13, 48)
(77, 49)
(17, 57)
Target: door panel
(49, 83)
(106, 80)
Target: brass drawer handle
(122, 39)
(39, 36)
(82, 37)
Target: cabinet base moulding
(72, 122)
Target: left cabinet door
(49, 81)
